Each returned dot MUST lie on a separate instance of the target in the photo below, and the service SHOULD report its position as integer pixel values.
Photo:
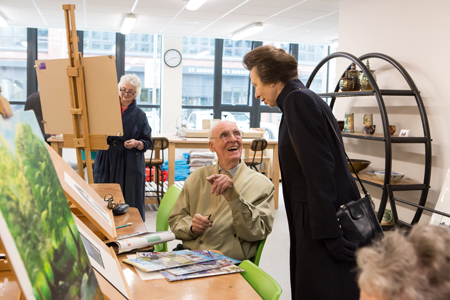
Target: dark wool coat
(316, 181)
(127, 166)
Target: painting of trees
(38, 217)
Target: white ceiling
(307, 21)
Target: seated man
(227, 206)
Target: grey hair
(414, 266)
(133, 80)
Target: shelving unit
(405, 184)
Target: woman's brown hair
(272, 64)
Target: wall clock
(172, 58)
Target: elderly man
(227, 206)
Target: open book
(141, 241)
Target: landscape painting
(36, 225)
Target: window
(143, 58)
(52, 43)
(198, 71)
(99, 43)
(308, 57)
(13, 65)
(195, 117)
(271, 123)
(235, 78)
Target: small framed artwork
(404, 133)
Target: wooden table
(231, 286)
(201, 143)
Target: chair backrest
(255, 259)
(267, 287)
(164, 210)
(159, 144)
(258, 145)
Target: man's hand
(220, 182)
(200, 224)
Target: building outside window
(198, 80)
(143, 58)
(235, 78)
(13, 65)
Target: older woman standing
(316, 179)
(124, 161)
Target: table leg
(276, 174)
(171, 163)
(56, 147)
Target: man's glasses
(226, 135)
(128, 92)
(109, 198)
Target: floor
(275, 256)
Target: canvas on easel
(37, 229)
(105, 263)
(102, 95)
(80, 194)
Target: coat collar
(293, 84)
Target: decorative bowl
(341, 124)
(358, 164)
(395, 176)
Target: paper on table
(146, 275)
(141, 241)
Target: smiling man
(226, 206)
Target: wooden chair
(267, 287)
(159, 145)
(258, 145)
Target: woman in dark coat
(124, 161)
(316, 179)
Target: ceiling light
(194, 4)
(3, 22)
(128, 24)
(246, 31)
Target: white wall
(413, 33)
(171, 86)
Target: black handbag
(356, 218)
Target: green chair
(164, 210)
(267, 287)
(255, 259)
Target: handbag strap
(339, 141)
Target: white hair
(133, 80)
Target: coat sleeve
(253, 214)
(145, 135)
(308, 129)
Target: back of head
(132, 79)
(272, 64)
(407, 267)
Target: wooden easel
(75, 72)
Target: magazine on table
(149, 261)
(141, 241)
(230, 269)
(220, 260)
